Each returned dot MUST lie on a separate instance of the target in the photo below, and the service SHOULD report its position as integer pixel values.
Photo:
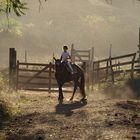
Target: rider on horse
(63, 76)
(65, 57)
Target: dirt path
(104, 119)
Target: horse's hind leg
(74, 90)
(82, 91)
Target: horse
(63, 75)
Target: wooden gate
(37, 77)
(85, 59)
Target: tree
(16, 6)
(7, 6)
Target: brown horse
(63, 75)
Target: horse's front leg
(60, 97)
(74, 90)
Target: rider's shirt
(65, 56)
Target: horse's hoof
(83, 100)
(71, 99)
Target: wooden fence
(37, 77)
(40, 77)
(107, 69)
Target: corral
(40, 77)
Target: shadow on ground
(67, 109)
(134, 85)
(4, 116)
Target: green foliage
(14, 6)
(14, 26)
(9, 100)
(18, 7)
(7, 6)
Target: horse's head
(57, 64)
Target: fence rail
(117, 57)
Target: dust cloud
(91, 23)
(129, 90)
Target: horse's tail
(82, 85)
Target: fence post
(93, 78)
(92, 65)
(50, 76)
(132, 66)
(111, 68)
(98, 77)
(72, 53)
(107, 70)
(139, 45)
(12, 68)
(87, 75)
(17, 70)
